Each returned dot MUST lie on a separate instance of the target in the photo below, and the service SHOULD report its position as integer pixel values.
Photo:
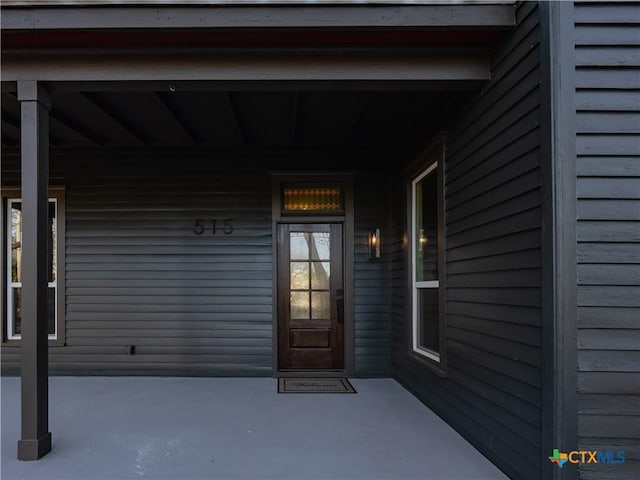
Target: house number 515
(201, 226)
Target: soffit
(241, 119)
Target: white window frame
(416, 286)
(57, 196)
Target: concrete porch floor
(115, 428)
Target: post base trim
(34, 449)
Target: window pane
(16, 242)
(428, 319)
(51, 314)
(53, 254)
(320, 246)
(320, 275)
(299, 275)
(17, 310)
(427, 227)
(320, 305)
(299, 305)
(299, 246)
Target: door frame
(345, 178)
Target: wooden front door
(310, 297)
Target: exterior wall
(136, 274)
(492, 391)
(608, 232)
(372, 293)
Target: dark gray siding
(137, 274)
(372, 287)
(608, 232)
(492, 390)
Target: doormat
(315, 385)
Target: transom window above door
(312, 198)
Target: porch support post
(35, 105)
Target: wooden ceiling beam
(234, 118)
(11, 120)
(57, 124)
(365, 100)
(10, 132)
(79, 128)
(176, 121)
(108, 111)
(295, 117)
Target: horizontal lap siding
(492, 389)
(137, 274)
(372, 287)
(608, 232)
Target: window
(13, 242)
(313, 199)
(427, 261)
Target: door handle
(340, 305)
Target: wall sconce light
(374, 244)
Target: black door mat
(315, 385)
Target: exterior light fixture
(374, 244)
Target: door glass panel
(310, 280)
(299, 246)
(299, 275)
(299, 305)
(320, 274)
(320, 246)
(320, 306)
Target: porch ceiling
(241, 118)
(214, 75)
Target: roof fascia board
(259, 16)
(84, 3)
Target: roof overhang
(126, 76)
(213, 42)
